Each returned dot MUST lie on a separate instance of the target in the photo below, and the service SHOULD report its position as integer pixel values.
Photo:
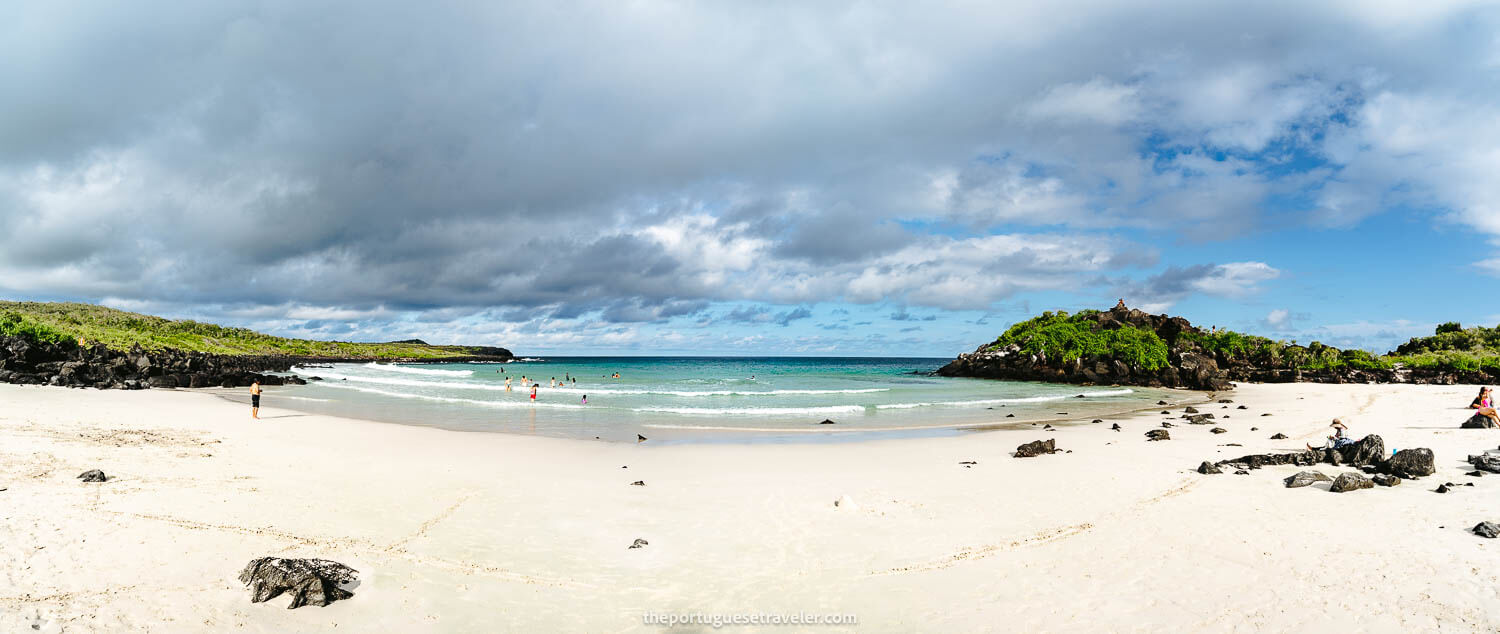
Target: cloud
(902, 315)
(1232, 280)
(378, 161)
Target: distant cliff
(1129, 347)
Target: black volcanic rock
(1350, 482)
(26, 362)
(1036, 448)
(1411, 463)
(1478, 421)
(310, 581)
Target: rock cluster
(1367, 453)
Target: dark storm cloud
(543, 160)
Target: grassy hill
(1067, 337)
(68, 323)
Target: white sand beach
(457, 532)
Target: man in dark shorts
(255, 399)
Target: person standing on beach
(255, 399)
(533, 391)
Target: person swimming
(533, 392)
(507, 384)
(585, 399)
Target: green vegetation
(67, 323)
(1068, 338)
(1064, 337)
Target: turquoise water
(675, 398)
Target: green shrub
(1065, 338)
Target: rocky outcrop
(1188, 366)
(1367, 453)
(309, 581)
(26, 362)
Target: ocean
(699, 399)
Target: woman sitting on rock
(1485, 403)
(1339, 438)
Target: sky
(766, 178)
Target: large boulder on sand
(1351, 482)
(1158, 434)
(1361, 452)
(1479, 421)
(310, 581)
(1209, 468)
(1412, 463)
(1036, 448)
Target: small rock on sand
(1487, 529)
(1010, 415)
(1158, 434)
(1209, 468)
(638, 483)
(1305, 478)
(1115, 427)
(1219, 430)
(1036, 448)
(1351, 482)
(638, 543)
(640, 438)
(93, 475)
(309, 581)
(1386, 480)
(1442, 488)
(1278, 436)
(1191, 410)
(827, 422)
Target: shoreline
(694, 430)
(483, 530)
